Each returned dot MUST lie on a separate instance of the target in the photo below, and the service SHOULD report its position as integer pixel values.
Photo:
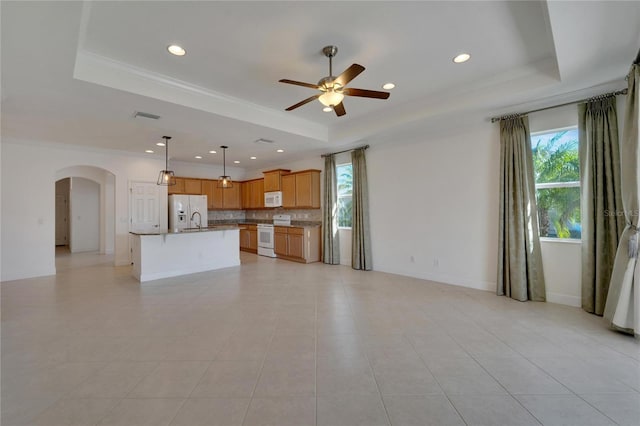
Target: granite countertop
(210, 228)
(294, 223)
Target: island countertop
(211, 228)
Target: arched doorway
(89, 193)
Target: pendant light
(166, 177)
(224, 181)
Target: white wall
(28, 222)
(85, 215)
(434, 205)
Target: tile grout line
(264, 358)
(438, 382)
(548, 374)
(386, 412)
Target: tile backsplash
(226, 214)
(314, 215)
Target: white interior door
(145, 207)
(62, 219)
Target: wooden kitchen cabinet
(222, 199)
(252, 196)
(272, 179)
(190, 186)
(289, 191)
(232, 197)
(301, 190)
(178, 188)
(249, 238)
(213, 193)
(193, 186)
(280, 241)
(297, 244)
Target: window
(557, 175)
(345, 186)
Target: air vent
(140, 114)
(261, 140)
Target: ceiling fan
(333, 89)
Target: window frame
(348, 163)
(549, 185)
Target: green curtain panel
(520, 274)
(622, 308)
(331, 240)
(360, 235)
(602, 213)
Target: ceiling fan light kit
(333, 88)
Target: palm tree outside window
(344, 173)
(556, 164)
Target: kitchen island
(169, 254)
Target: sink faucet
(199, 219)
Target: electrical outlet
(436, 262)
(412, 259)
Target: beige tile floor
(277, 343)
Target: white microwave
(273, 199)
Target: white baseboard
(564, 299)
(447, 279)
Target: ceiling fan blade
(306, 101)
(365, 93)
(339, 109)
(349, 74)
(299, 83)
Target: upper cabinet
(232, 197)
(289, 191)
(272, 179)
(213, 193)
(193, 186)
(252, 194)
(178, 188)
(301, 190)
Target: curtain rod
(605, 95)
(346, 150)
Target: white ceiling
(76, 72)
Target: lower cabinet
(249, 238)
(297, 244)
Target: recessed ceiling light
(463, 57)
(327, 109)
(160, 144)
(198, 157)
(388, 86)
(236, 162)
(253, 158)
(148, 151)
(212, 152)
(174, 49)
(280, 150)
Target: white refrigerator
(187, 211)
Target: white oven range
(265, 234)
(265, 240)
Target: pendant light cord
(166, 151)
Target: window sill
(342, 228)
(560, 240)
